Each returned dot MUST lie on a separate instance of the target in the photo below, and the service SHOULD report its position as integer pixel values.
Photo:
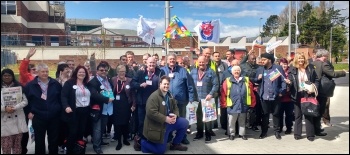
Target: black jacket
(293, 77)
(95, 90)
(327, 69)
(44, 109)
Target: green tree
(270, 27)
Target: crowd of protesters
(146, 102)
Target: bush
(341, 66)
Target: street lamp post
(167, 21)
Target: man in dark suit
(324, 68)
(101, 100)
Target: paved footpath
(336, 142)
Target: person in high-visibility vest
(237, 94)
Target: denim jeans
(159, 148)
(97, 131)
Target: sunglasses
(103, 70)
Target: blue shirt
(107, 107)
(268, 93)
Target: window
(38, 40)
(8, 7)
(54, 39)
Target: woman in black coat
(123, 105)
(75, 98)
(299, 74)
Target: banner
(145, 31)
(208, 31)
(176, 29)
(257, 43)
(271, 46)
(11, 96)
(209, 110)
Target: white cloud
(243, 13)
(223, 4)
(77, 2)
(190, 23)
(155, 5)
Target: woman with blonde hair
(301, 73)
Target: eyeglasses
(103, 70)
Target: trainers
(207, 139)
(137, 146)
(178, 147)
(185, 141)
(188, 131)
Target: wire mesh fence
(8, 57)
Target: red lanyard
(150, 76)
(200, 77)
(117, 87)
(82, 89)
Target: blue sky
(238, 18)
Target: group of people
(147, 102)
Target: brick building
(45, 19)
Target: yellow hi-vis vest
(229, 84)
(212, 65)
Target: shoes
(106, 136)
(288, 131)
(62, 148)
(185, 141)
(226, 132)
(188, 131)
(328, 124)
(125, 142)
(297, 137)
(278, 136)
(243, 137)
(104, 143)
(321, 134)
(137, 146)
(207, 139)
(212, 133)
(311, 139)
(118, 147)
(198, 137)
(86, 139)
(255, 128)
(231, 137)
(321, 130)
(113, 139)
(178, 147)
(262, 136)
(99, 151)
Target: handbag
(310, 106)
(191, 110)
(310, 87)
(209, 110)
(327, 85)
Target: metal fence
(8, 57)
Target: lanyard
(200, 77)
(42, 87)
(104, 83)
(150, 76)
(82, 89)
(117, 86)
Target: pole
(76, 33)
(259, 26)
(289, 28)
(296, 26)
(167, 17)
(330, 46)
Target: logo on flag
(145, 31)
(209, 31)
(176, 29)
(274, 74)
(258, 43)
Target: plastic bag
(191, 115)
(31, 131)
(209, 110)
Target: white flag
(145, 31)
(208, 31)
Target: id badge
(84, 99)
(171, 75)
(149, 82)
(43, 96)
(219, 70)
(199, 83)
(117, 97)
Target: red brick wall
(281, 51)
(13, 27)
(38, 16)
(49, 32)
(22, 10)
(184, 42)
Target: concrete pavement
(336, 142)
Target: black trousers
(270, 107)
(52, 128)
(223, 118)
(109, 125)
(200, 123)
(309, 121)
(63, 133)
(322, 101)
(76, 127)
(215, 123)
(121, 130)
(25, 138)
(258, 111)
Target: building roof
(95, 22)
(124, 32)
(236, 40)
